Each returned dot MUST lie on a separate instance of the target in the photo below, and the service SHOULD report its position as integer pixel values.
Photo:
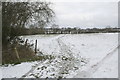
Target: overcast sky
(86, 14)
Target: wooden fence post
(17, 54)
(26, 42)
(36, 46)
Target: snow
(109, 66)
(0, 73)
(16, 71)
(76, 56)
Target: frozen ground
(76, 56)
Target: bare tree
(16, 15)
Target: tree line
(34, 31)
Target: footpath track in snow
(70, 63)
(64, 49)
(89, 71)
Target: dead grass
(26, 54)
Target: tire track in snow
(87, 73)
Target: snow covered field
(76, 56)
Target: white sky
(86, 14)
